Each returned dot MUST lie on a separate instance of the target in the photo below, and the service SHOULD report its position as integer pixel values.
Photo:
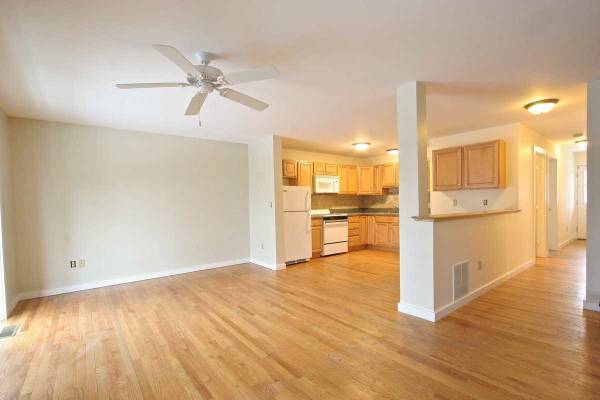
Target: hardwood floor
(327, 329)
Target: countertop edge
(450, 217)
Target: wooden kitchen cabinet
(289, 168)
(304, 174)
(357, 232)
(348, 179)
(322, 168)
(447, 168)
(384, 232)
(331, 169)
(366, 180)
(484, 165)
(317, 236)
(389, 175)
(377, 179)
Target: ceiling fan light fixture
(361, 146)
(541, 106)
(392, 152)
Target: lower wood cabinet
(358, 229)
(384, 232)
(317, 236)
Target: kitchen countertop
(391, 212)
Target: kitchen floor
(326, 329)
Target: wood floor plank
(327, 329)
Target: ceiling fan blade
(196, 104)
(150, 85)
(243, 99)
(176, 57)
(256, 74)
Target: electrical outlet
(454, 202)
(73, 264)
(485, 202)
(262, 246)
(479, 265)
(81, 263)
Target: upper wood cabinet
(304, 174)
(366, 180)
(289, 168)
(348, 179)
(319, 168)
(484, 165)
(447, 168)
(331, 169)
(389, 175)
(322, 168)
(377, 179)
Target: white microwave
(326, 184)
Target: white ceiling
(340, 62)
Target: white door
(582, 202)
(296, 198)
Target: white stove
(335, 232)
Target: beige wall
(129, 203)
(8, 269)
(592, 297)
(294, 154)
(442, 202)
(503, 243)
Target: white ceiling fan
(207, 79)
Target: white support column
(265, 202)
(416, 237)
(592, 297)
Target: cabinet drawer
(354, 225)
(354, 232)
(316, 222)
(354, 241)
(354, 219)
(386, 219)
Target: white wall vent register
(460, 273)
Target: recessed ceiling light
(392, 152)
(541, 106)
(361, 146)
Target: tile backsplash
(387, 200)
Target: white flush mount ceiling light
(361, 146)
(392, 152)
(580, 140)
(541, 106)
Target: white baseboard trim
(566, 242)
(592, 304)
(274, 267)
(416, 311)
(13, 303)
(440, 313)
(448, 308)
(128, 279)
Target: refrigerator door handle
(306, 200)
(308, 220)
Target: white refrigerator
(296, 224)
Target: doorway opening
(541, 202)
